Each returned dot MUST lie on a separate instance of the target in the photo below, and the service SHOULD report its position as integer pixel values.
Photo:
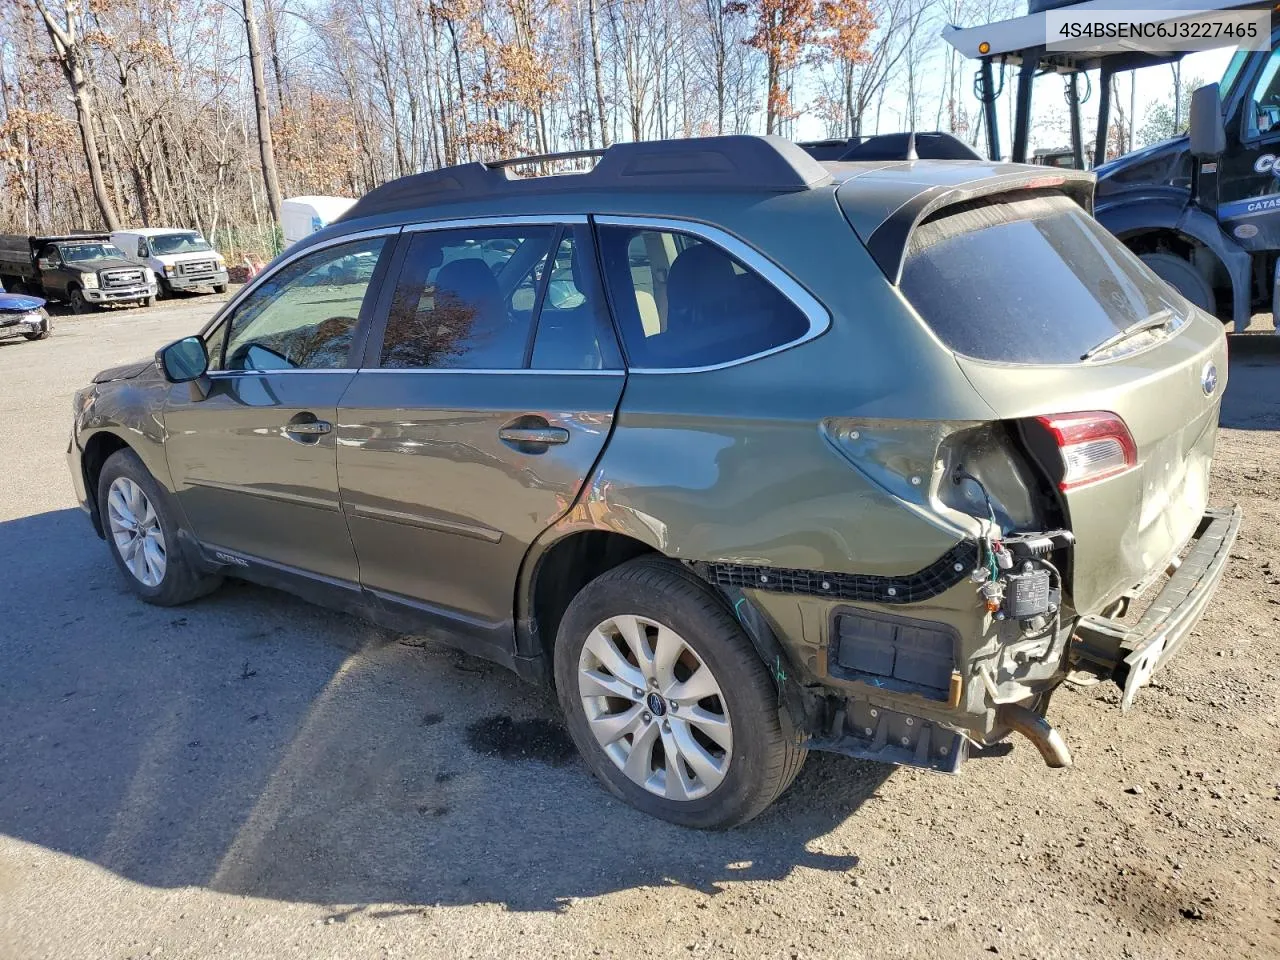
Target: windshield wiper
(1161, 318)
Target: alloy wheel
(136, 532)
(655, 707)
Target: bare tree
(266, 146)
(66, 32)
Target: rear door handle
(540, 435)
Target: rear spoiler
(889, 241)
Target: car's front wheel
(668, 701)
(143, 534)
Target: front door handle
(540, 435)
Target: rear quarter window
(682, 302)
(1031, 280)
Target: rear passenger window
(683, 302)
(466, 298)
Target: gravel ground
(253, 777)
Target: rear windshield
(1032, 280)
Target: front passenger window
(304, 316)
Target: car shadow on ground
(1252, 400)
(254, 744)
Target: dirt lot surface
(252, 777)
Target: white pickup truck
(181, 259)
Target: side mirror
(183, 360)
(44, 263)
(1208, 130)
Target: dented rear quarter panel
(733, 464)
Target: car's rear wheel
(143, 534)
(668, 701)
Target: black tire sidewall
(1183, 277)
(716, 638)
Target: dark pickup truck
(81, 270)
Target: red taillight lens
(1094, 445)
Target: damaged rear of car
(1088, 484)
(1001, 442)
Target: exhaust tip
(1038, 730)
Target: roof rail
(733, 163)
(545, 158)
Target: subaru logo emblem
(1209, 378)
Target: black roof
(734, 163)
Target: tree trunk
(771, 95)
(66, 45)
(265, 145)
(593, 22)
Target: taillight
(1094, 445)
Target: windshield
(1232, 73)
(80, 252)
(1032, 280)
(164, 244)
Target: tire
(750, 760)
(163, 291)
(158, 572)
(76, 301)
(42, 335)
(147, 302)
(219, 288)
(1184, 277)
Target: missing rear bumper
(1133, 654)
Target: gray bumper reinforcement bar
(1136, 652)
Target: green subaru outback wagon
(746, 454)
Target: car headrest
(468, 280)
(700, 278)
